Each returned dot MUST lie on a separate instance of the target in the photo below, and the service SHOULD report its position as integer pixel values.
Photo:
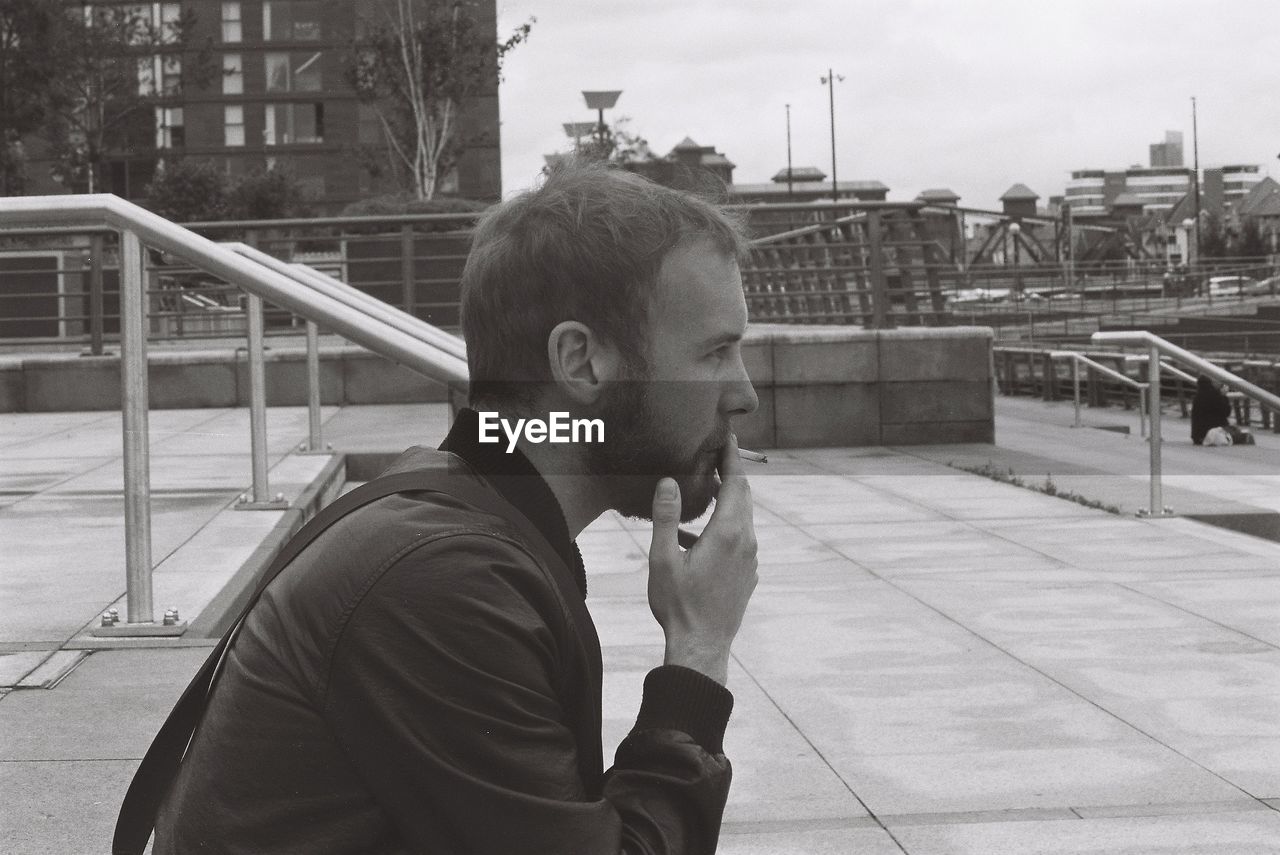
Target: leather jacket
(417, 680)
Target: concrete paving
(934, 662)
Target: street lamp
(576, 131)
(1015, 230)
(830, 82)
(601, 101)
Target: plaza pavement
(934, 662)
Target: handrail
(157, 232)
(1142, 338)
(1157, 346)
(1078, 358)
(262, 279)
(356, 299)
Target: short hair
(587, 245)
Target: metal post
(1142, 416)
(137, 462)
(407, 284)
(1075, 385)
(257, 400)
(1153, 433)
(96, 244)
(879, 294)
(313, 387)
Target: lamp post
(1195, 176)
(830, 82)
(601, 101)
(1014, 230)
(788, 151)
(576, 131)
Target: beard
(639, 451)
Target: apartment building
(281, 99)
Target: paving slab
(933, 661)
(1249, 832)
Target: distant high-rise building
(1169, 152)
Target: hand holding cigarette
(686, 538)
(698, 596)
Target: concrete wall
(348, 375)
(818, 385)
(837, 386)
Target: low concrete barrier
(818, 385)
(841, 386)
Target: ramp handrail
(330, 286)
(1156, 347)
(398, 341)
(1077, 359)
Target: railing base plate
(139, 630)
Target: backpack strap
(160, 765)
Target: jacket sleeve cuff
(678, 698)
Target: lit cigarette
(753, 456)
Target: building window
(170, 22)
(291, 20)
(160, 75)
(170, 132)
(293, 72)
(293, 123)
(231, 31)
(233, 124)
(232, 74)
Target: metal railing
(291, 290)
(1156, 347)
(1078, 359)
(873, 264)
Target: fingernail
(666, 489)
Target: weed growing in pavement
(1008, 476)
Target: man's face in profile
(671, 418)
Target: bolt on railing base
(1166, 512)
(244, 503)
(304, 450)
(145, 629)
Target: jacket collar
(519, 482)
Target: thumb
(666, 519)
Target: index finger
(730, 463)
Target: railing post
(137, 461)
(261, 499)
(407, 285)
(313, 387)
(1142, 416)
(96, 324)
(1153, 433)
(1075, 385)
(879, 292)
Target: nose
(742, 399)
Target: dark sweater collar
(520, 483)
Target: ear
(581, 363)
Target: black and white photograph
(562, 427)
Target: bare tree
(417, 66)
(118, 64)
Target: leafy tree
(418, 64)
(1252, 243)
(117, 64)
(1213, 237)
(271, 195)
(31, 33)
(190, 190)
(617, 144)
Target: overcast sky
(968, 94)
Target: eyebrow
(722, 338)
